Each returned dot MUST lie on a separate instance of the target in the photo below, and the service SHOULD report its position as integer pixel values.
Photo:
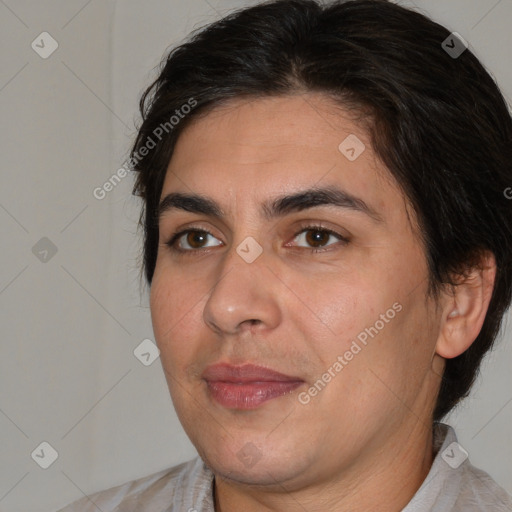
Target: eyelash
(171, 243)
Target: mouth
(247, 386)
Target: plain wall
(69, 325)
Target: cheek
(372, 317)
(174, 299)
(344, 304)
(338, 311)
(161, 307)
(171, 316)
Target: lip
(247, 386)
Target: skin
(364, 442)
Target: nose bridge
(242, 293)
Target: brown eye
(195, 239)
(191, 240)
(317, 238)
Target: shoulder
(190, 481)
(478, 491)
(454, 484)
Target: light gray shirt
(452, 485)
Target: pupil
(195, 238)
(317, 238)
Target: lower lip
(249, 395)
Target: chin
(241, 460)
(265, 472)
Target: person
(328, 246)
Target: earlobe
(465, 308)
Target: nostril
(252, 321)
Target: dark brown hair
(438, 122)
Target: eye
(193, 240)
(318, 237)
(190, 240)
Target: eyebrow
(274, 208)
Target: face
(293, 325)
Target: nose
(244, 296)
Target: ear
(465, 308)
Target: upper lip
(245, 373)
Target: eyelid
(172, 242)
(319, 226)
(304, 227)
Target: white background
(69, 326)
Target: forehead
(253, 148)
